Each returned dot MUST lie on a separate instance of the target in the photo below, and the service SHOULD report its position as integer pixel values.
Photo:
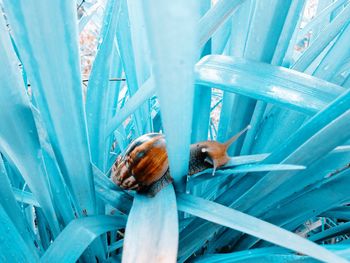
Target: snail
(144, 167)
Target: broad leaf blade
(151, 233)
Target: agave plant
(193, 70)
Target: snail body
(144, 167)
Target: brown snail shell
(145, 168)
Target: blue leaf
(151, 233)
(173, 74)
(265, 82)
(234, 219)
(51, 59)
(12, 245)
(207, 174)
(78, 235)
(99, 92)
(19, 136)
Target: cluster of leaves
(287, 183)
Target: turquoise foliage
(195, 71)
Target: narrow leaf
(51, 60)
(277, 85)
(173, 45)
(19, 141)
(11, 243)
(146, 91)
(239, 221)
(215, 17)
(338, 230)
(323, 39)
(207, 174)
(98, 93)
(78, 235)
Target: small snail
(145, 168)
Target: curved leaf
(111, 193)
(272, 84)
(242, 255)
(78, 235)
(270, 254)
(330, 138)
(330, 193)
(239, 221)
(300, 205)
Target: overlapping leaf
(299, 120)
